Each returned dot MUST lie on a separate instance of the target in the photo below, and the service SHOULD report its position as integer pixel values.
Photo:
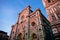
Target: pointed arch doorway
(19, 37)
(34, 36)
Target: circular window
(33, 23)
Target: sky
(9, 10)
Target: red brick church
(32, 25)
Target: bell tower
(52, 8)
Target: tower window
(53, 17)
(58, 15)
(49, 1)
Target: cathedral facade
(31, 26)
(53, 11)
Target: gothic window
(51, 11)
(49, 1)
(58, 16)
(54, 8)
(53, 16)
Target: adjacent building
(53, 11)
(3, 36)
(31, 25)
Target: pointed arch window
(58, 15)
(53, 17)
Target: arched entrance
(34, 36)
(19, 37)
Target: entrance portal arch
(34, 36)
(19, 37)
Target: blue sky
(9, 10)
